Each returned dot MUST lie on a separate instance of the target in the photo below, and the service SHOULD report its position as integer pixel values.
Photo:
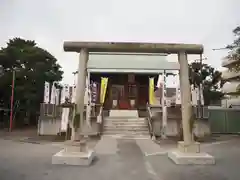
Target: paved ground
(124, 159)
(227, 162)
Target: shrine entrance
(126, 91)
(124, 96)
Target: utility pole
(224, 48)
(12, 101)
(219, 49)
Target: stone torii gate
(188, 150)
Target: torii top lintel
(132, 47)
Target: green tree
(235, 47)
(209, 77)
(33, 66)
(234, 53)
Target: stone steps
(124, 132)
(127, 123)
(124, 119)
(130, 129)
(125, 126)
(129, 136)
(123, 113)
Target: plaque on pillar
(132, 102)
(114, 103)
(131, 78)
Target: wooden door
(132, 94)
(123, 98)
(119, 97)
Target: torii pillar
(81, 85)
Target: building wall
(232, 85)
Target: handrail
(149, 112)
(99, 117)
(149, 118)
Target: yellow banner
(104, 82)
(151, 91)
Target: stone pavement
(227, 156)
(117, 159)
(106, 145)
(109, 145)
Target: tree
(210, 79)
(234, 53)
(32, 66)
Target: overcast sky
(50, 22)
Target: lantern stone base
(189, 154)
(77, 158)
(78, 155)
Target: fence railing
(52, 110)
(201, 112)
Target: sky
(51, 22)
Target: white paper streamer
(46, 92)
(53, 94)
(64, 120)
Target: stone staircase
(125, 126)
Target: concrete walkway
(129, 157)
(109, 145)
(116, 159)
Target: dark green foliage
(33, 66)
(234, 48)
